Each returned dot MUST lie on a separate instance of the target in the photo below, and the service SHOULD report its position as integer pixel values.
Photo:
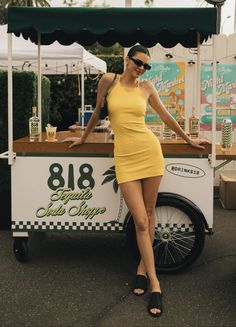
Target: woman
(138, 157)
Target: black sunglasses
(139, 63)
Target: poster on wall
(169, 80)
(225, 95)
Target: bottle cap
(227, 121)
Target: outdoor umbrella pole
(82, 92)
(213, 126)
(198, 84)
(10, 102)
(39, 83)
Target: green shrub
(24, 97)
(65, 100)
(115, 64)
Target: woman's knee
(142, 225)
(150, 210)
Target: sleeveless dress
(137, 151)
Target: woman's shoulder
(108, 77)
(146, 84)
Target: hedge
(24, 98)
(65, 100)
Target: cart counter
(98, 143)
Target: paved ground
(84, 281)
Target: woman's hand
(197, 143)
(75, 141)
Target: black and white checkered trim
(175, 227)
(112, 226)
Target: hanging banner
(225, 95)
(169, 80)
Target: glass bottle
(226, 134)
(193, 125)
(167, 132)
(181, 119)
(34, 122)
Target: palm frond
(115, 186)
(108, 179)
(112, 168)
(109, 172)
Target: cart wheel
(20, 248)
(179, 235)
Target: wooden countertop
(226, 154)
(98, 143)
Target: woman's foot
(141, 282)
(155, 304)
(140, 285)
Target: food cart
(55, 188)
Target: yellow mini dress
(137, 151)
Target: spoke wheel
(179, 235)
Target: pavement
(84, 280)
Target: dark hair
(137, 48)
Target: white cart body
(68, 193)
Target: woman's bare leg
(150, 187)
(134, 198)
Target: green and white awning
(148, 26)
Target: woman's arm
(103, 87)
(156, 103)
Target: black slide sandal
(141, 283)
(155, 303)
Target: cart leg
(20, 246)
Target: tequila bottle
(167, 132)
(193, 125)
(181, 119)
(34, 122)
